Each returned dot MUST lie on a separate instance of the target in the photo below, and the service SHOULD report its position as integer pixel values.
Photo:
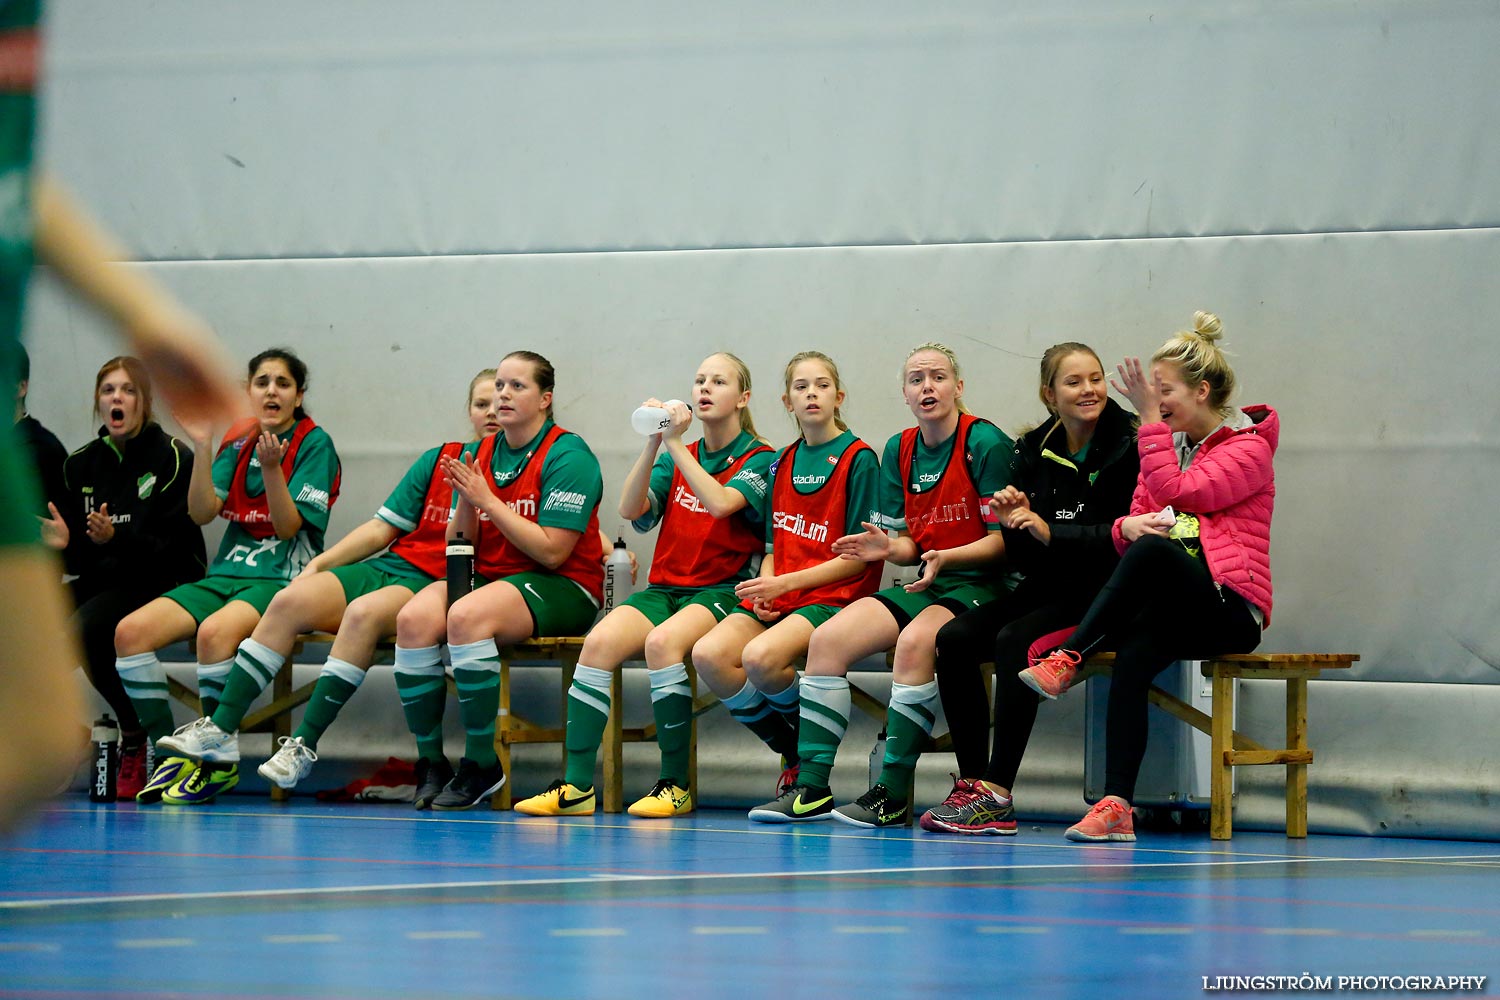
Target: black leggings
(1000, 631)
(1160, 605)
(99, 611)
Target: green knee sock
(825, 718)
(337, 683)
(145, 681)
(255, 666)
(672, 708)
(588, 714)
(476, 673)
(908, 727)
(424, 695)
(750, 709)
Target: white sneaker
(292, 763)
(202, 740)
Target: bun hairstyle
(135, 368)
(946, 352)
(833, 371)
(1052, 360)
(1198, 357)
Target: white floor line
(14, 946)
(155, 943)
(1092, 865)
(1443, 934)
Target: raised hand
(1137, 386)
(55, 532)
(99, 526)
(270, 450)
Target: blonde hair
(742, 372)
(1052, 360)
(1197, 356)
(485, 375)
(838, 385)
(946, 352)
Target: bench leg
(1221, 797)
(1296, 774)
(502, 798)
(614, 743)
(692, 775)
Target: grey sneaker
(877, 807)
(470, 786)
(291, 764)
(432, 777)
(798, 804)
(971, 808)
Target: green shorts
(376, 574)
(957, 596)
(660, 603)
(558, 606)
(815, 613)
(19, 496)
(211, 593)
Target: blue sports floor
(249, 899)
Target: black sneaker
(877, 807)
(798, 804)
(470, 785)
(432, 777)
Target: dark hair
(541, 370)
(15, 361)
(293, 364)
(136, 369)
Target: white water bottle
(618, 587)
(648, 420)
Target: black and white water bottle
(618, 586)
(106, 769)
(460, 568)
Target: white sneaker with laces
(202, 740)
(291, 764)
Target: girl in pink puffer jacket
(1194, 578)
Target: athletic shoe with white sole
(290, 764)
(560, 799)
(798, 804)
(470, 785)
(876, 808)
(202, 740)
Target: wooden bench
(1229, 748)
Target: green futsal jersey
(988, 460)
(243, 556)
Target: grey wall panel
(347, 129)
(1373, 348)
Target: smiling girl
(824, 485)
(709, 498)
(274, 479)
(1191, 583)
(125, 534)
(932, 480)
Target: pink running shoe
(1050, 676)
(1108, 820)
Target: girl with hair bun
(1072, 476)
(1194, 578)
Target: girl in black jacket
(1072, 477)
(125, 534)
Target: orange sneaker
(1051, 675)
(1108, 820)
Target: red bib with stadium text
(426, 545)
(694, 548)
(947, 515)
(804, 526)
(495, 556)
(253, 513)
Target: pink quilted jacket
(1231, 486)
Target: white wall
(404, 196)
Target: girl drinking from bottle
(824, 485)
(932, 479)
(1194, 577)
(357, 599)
(530, 499)
(274, 481)
(709, 498)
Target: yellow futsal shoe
(560, 799)
(665, 800)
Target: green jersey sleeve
(991, 455)
(403, 508)
(862, 499)
(656, 493)
(312, 479)
(571, 485)
(753, 482)
(892, 491)
(223, 470)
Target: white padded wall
(405, 196)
